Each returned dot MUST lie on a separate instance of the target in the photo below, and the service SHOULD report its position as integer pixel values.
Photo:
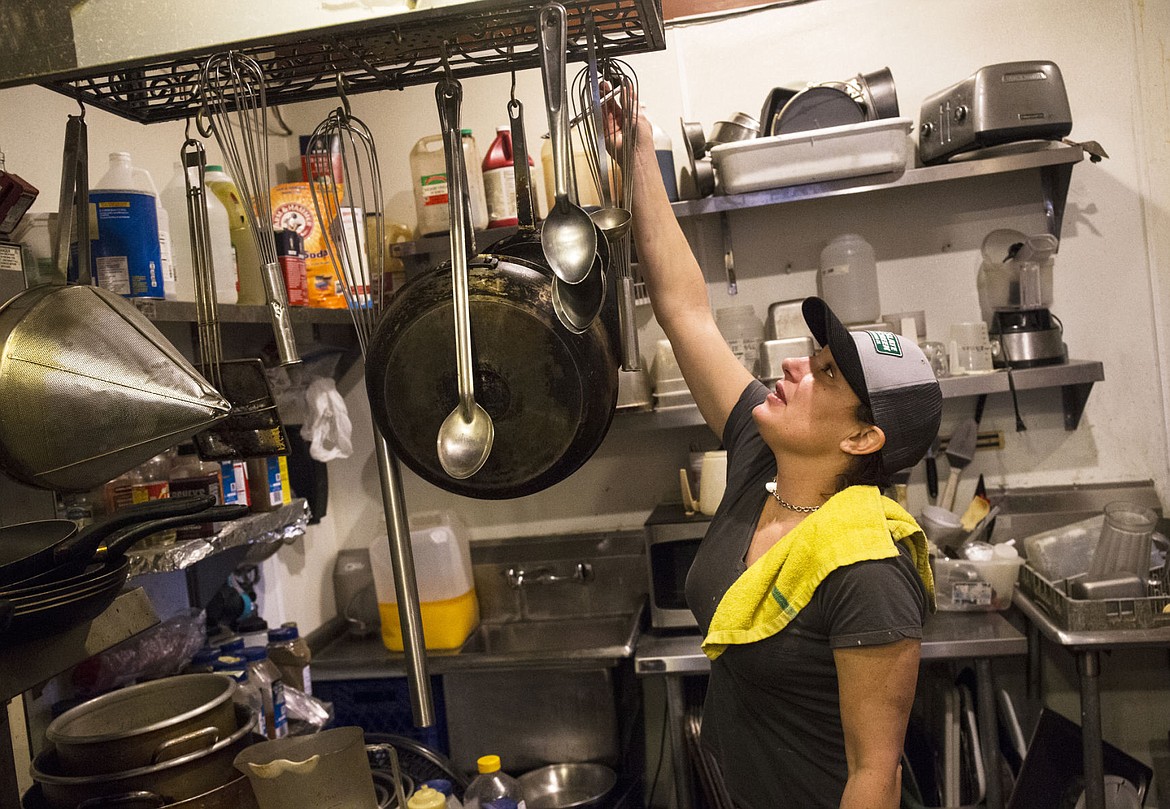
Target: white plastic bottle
(743, 331)
(249, 283)
(492, 787)
(266, 676)
(223, 263)
(428, 170)
(127, 255)
(848, 279)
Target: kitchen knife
(932, 471)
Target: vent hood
(140, 59)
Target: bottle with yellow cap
(493, 788)
(427, 798)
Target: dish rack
(1080, 615)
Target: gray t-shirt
(772, 712)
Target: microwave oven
(672, 540)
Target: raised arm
(678, 293)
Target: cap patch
(885, 342)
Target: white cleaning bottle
(127, 256)
(223, 264)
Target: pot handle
(552, 67)
(449, 96)
(524, 206)
(208, 733)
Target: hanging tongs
(72, 207)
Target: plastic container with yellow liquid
(446, 587)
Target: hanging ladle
(568, 236)
(466, 435)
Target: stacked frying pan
(54, 576)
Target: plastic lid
(465, 132)
(488, 763)
(427, 798)
(213, 167)
(253, 653)
(233, 645)
(282, 633)
(440, 785)
(205, 656)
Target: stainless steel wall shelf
(1053, 160)
(389, 52)
(184, 312)
(1075, 379)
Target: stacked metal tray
(1079, 615)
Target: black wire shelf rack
(393, 52)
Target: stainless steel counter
(979, 636)
(1086, 647)
(946, 636)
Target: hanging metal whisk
(232, 89)
(346, 184)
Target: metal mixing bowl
(565, 786)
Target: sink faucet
(519, 577)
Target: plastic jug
(580, 177)
(249, 282)
(428, 172)
(743, 331)
(127, 255)
(848, 279)
(223, 262)
(499, 180)
(446, 587)
(326, 769)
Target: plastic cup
(944, 528)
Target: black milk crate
(1084, 615)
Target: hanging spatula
(960, 451)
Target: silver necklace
(771, 487)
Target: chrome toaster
(1003, 103)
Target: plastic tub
(870, 147)
(963, 585)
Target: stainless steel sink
(605, 638)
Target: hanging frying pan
(38, 551)
(551, 393)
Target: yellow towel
(854, 525)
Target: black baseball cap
(889, 374)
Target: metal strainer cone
(100, 389)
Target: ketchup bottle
(499, 180)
